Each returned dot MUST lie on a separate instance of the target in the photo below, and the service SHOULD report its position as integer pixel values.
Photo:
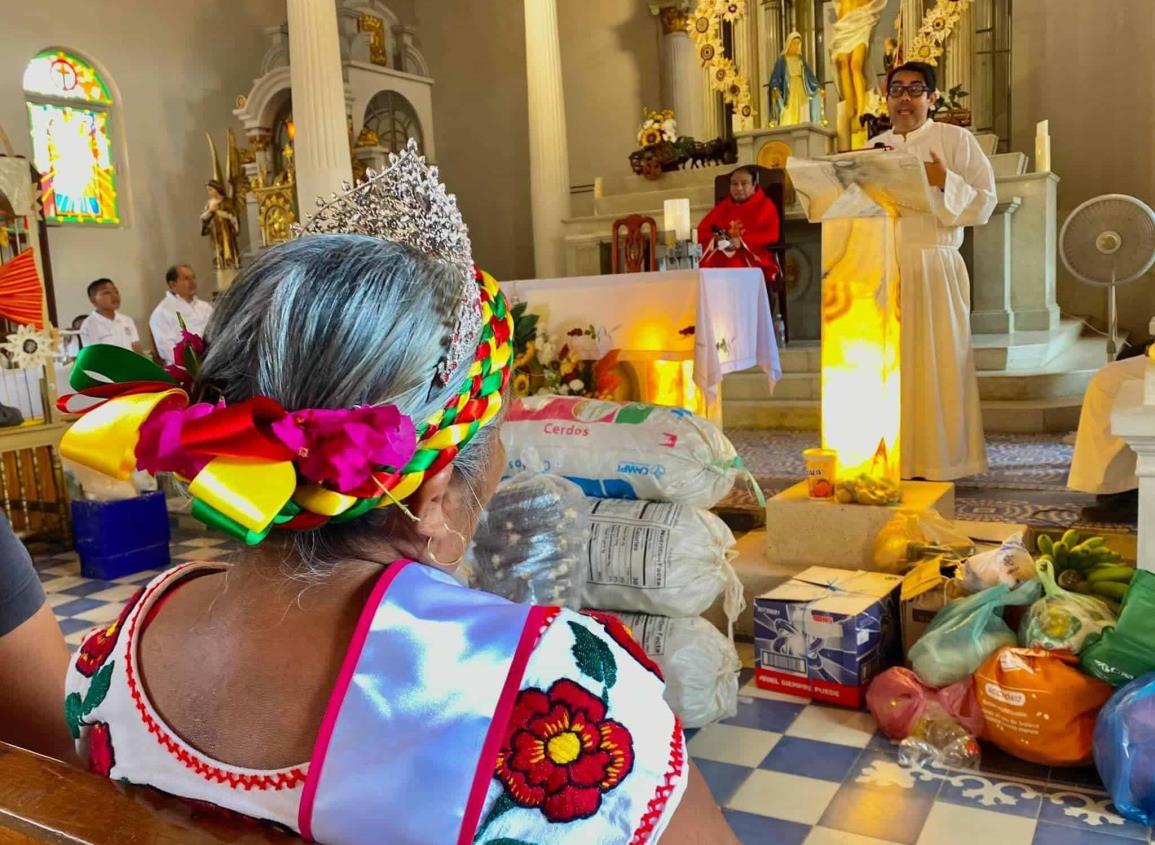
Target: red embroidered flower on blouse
(101, 757)
(622, 636)
(561, 753)
(100, 644)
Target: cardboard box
(926, 589)
(826, 633)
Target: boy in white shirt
(181, 299)
(104, 324)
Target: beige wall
(1089, 71)
(176, 69)
(476, 54)
(612, 68)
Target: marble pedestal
(805, 140)
(804, 532)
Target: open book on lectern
(869, 183)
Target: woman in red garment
(740, 230)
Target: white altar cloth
(646, 315)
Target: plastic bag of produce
(898, 699)
(1121, 654)
(1039, 706)
(1125, 750)
(701, 666)
(1009, 564)
(623, 451)
(1062, 621)
(966, 632)
(530, 546)
(911, 536)
(659, 558)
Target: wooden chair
(43, 800)
(773, 183)
(631, 255)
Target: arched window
(68, 113)
(394, 120)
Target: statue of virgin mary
(795, 94)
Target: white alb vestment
(942, 423)
(166, 328)
(1103, 463)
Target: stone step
(1024, 350)
(1018, 416)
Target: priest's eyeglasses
(915, 91)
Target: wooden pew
(43, 800)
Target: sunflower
(732, 10)
(650, 137)
(29, 347)
(747, 111)
(707, 52)
(703, 24)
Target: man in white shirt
(181, 299)
(105, 324)
(942, 434)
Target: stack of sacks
(652, 551)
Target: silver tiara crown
(406, 203)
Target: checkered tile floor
(786, 772)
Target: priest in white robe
(942, 433)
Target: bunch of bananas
(867, 490)
(1087, 566)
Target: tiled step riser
(1020, 418)
(794, 386)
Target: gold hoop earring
(455, 561)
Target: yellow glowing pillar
(859, 199)
(861, 387)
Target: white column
(960, 54)
(321, 146)
(548, 153)
(712, 109)
(746, 59)
(912, 12)
(681, 72)
(770, 36)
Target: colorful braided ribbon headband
(255, 465)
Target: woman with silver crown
(340, 417)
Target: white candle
(676, 218)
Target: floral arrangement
(937, 25)
(657, 126)
(543, 365)
(706, 30)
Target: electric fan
(1106, 242)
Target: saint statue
(850, 48)
(795, 95)
(219, 221)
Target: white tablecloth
(646, 313)
(21, 388)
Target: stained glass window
(68, 113)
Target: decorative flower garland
(937, 25)
(706, 30)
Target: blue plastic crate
(120, 538)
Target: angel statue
(220, 220)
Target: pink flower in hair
(343, 448)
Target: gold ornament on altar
(376, 29)
(367, 138)
(29, 347)
(674, 20)
(937, 26)
(706, 30)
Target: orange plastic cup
(821, 467)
